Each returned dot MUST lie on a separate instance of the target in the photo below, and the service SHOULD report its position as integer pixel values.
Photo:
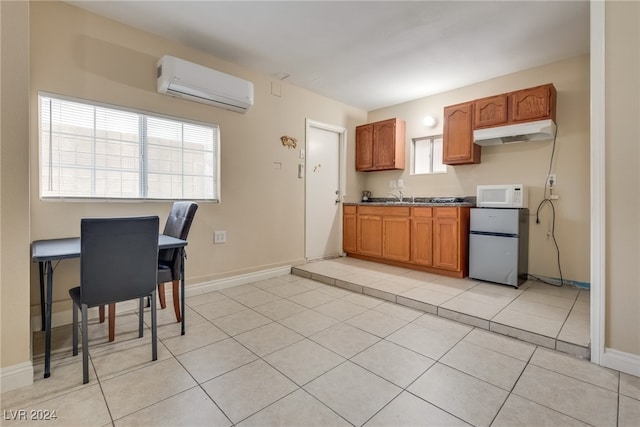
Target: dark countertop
(469, 201)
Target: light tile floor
(542, 314)
(290, 351)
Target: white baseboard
(16, 376)
(242, 279)
(64, 317)
(621, 361)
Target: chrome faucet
(399, 198)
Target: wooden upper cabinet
(364, 147)
(526, 105)
(491, 111)
(380, 145)
(536, 103)
(386, 144)
(458, 146)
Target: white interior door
(324, 190)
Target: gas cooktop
(446, 200)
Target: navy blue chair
(118, 262)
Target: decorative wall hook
(288, 141)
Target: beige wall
(82, 55)
(15, 339)
(526, 163)
(622, 142)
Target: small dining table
(45, 252)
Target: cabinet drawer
(422, 212)
(384, 210)
(349, 209)
(449, 212)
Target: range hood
(542, 130)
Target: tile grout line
(555, 340)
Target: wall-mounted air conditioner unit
(183, 79)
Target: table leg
(182, 304)
(42, 301)
(47, 338)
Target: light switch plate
(219, 237)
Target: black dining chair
(118, 262)
(169, 260)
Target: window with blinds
(96, 151)
(427, 155)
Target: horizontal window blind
(427, 155)
(95, 151)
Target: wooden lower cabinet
(423, 238)
(349, 228)
(445, 249)
(369, 235)
(451, 239)
(396, 238)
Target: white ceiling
(369, 54)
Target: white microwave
(501, 196)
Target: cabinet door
(364, 147)
(349, 236)
(445, 244)
(384, 144)
(491, 111)
(396, 235)
(370, 235)
(422, 241)
(458, 146)
(535, 103)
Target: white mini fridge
(498, 245)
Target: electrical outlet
(551, 180)
(219, 237)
